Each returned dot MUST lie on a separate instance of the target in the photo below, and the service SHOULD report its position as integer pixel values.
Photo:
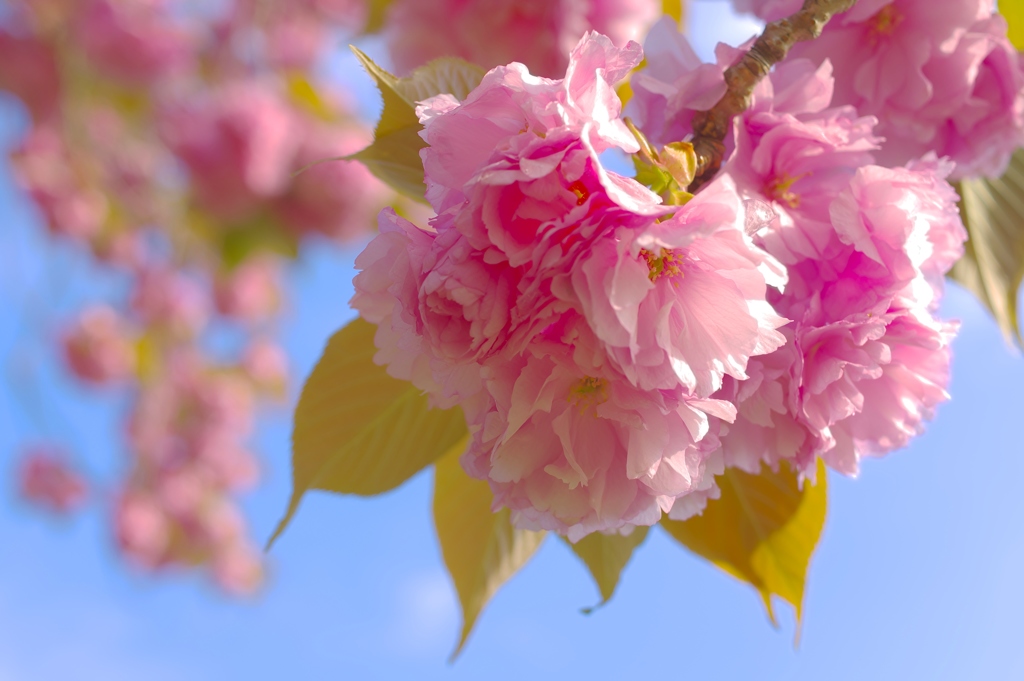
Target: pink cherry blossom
(29, 71)
(237, 144)
(99, 346)
(266, 364)
(683, 300)
(133, 40)
(169, 300)
(251, 292)
(46, 479)
(537, 33)
(959, 90)
(516, 119)
(867, 362)
(238, 570)
(578, 450)
(56, 183)
(143, 531)
(676, 84)
(329, 196)
(799, 163)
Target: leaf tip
(282, 525)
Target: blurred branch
(711, 127)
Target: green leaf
(762, 530)
(360, 431)
(606, 555)
(993, 264)
(1013, 10)
(481, 549)
(394, 155)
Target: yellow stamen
(779, 189)
(589, 392)
(884, 23)
(667, 264)
(580, 190)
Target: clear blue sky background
(918, 575)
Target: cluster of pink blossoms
(582, 325)
(939, 77)
(166, 141)
(612, 354)
(865, 245)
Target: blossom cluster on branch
(616, 350)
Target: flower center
(667, 263)
(780, 189)
(581, 192)
(589, 392)
(884, 24)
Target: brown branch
(711, 127)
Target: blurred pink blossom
(329, 196)
(29, 71)
(237, 143)
(169, 300)
(99, 347)
(537, 33)
(45, 170)
(137, 41)
(266, 364)
(46, 479)
(249, 293)
(959, 88)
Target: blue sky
(917, 576)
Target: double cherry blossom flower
(582, 325)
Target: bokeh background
(918, 575)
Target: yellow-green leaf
(360, 431)
(377, 11)
(1013, 10)
(762, 530)
(993, 264)
(480, 548)
(606, 555)
(394, 156)
(446, 75)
